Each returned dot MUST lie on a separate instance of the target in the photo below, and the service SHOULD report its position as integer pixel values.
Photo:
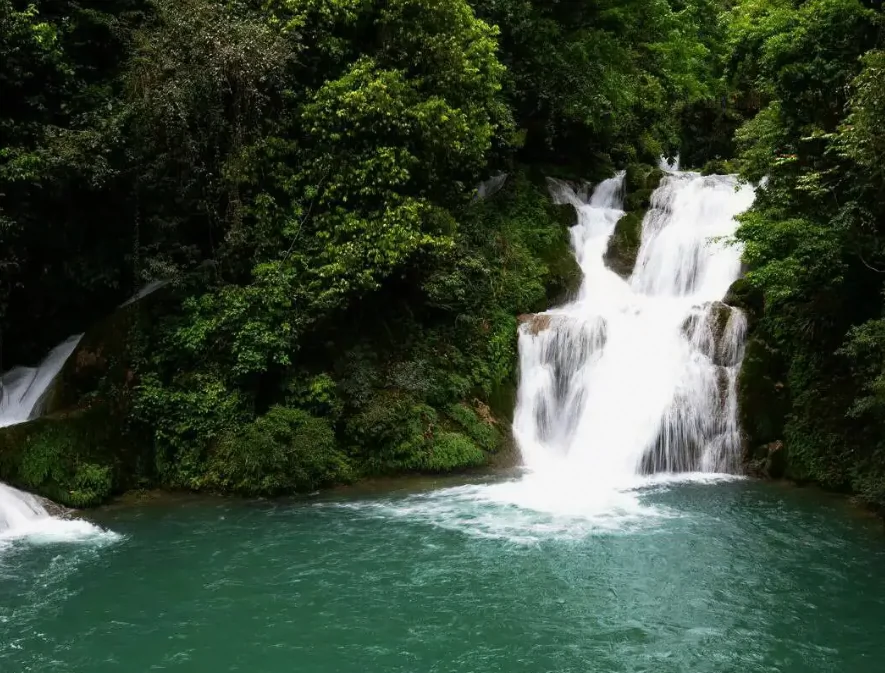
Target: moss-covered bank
(78, 459)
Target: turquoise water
(687, 577)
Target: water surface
(733, 576)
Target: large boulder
(769, 461)
(718, 331)
(623, 246)
(744, 296)
(640, 183)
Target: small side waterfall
(23, 389)
(639, 376)
(18, 509)
(22, 394)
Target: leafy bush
(91, 485)
(286, 450)
(450, 451)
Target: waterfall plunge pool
(672, 576)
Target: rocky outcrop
(744, 296)
(77, 459)
(640, 182)
(769, 461)
(717, 330)
(100, 368)
(623, 246)
(535, 323)
(83, 449)
(763, 397)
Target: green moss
(721, 167)
(480, 430)
(92, 485)
(79, 459)
(451, 451)
(623, 246)
(640, 182)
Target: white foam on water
(538, 507)
(24, 518)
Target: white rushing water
(631, 386)
(23, 389)
(638, 376)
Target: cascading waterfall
(630, 385)
(638, 376)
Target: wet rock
(717, 330)
(763, 400)
(743, 296)
(640, 183)
(769, 461)
(623, 246)
(536, 322)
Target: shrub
(286, 450)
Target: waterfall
(22, 395)
(638, 376)
(23, 389)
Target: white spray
(638, 376)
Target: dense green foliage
(815, 241)
(304, 172)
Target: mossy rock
(769, 461)
(640, 181)
(642, 178)
(100, 368)
(564, 280)
(623, 247)
(78, 459)
(721, 167)
(564, 214)
(744, 296)
(763, 397)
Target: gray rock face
(718, 331)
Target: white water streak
(639, 376)
(23, 389)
